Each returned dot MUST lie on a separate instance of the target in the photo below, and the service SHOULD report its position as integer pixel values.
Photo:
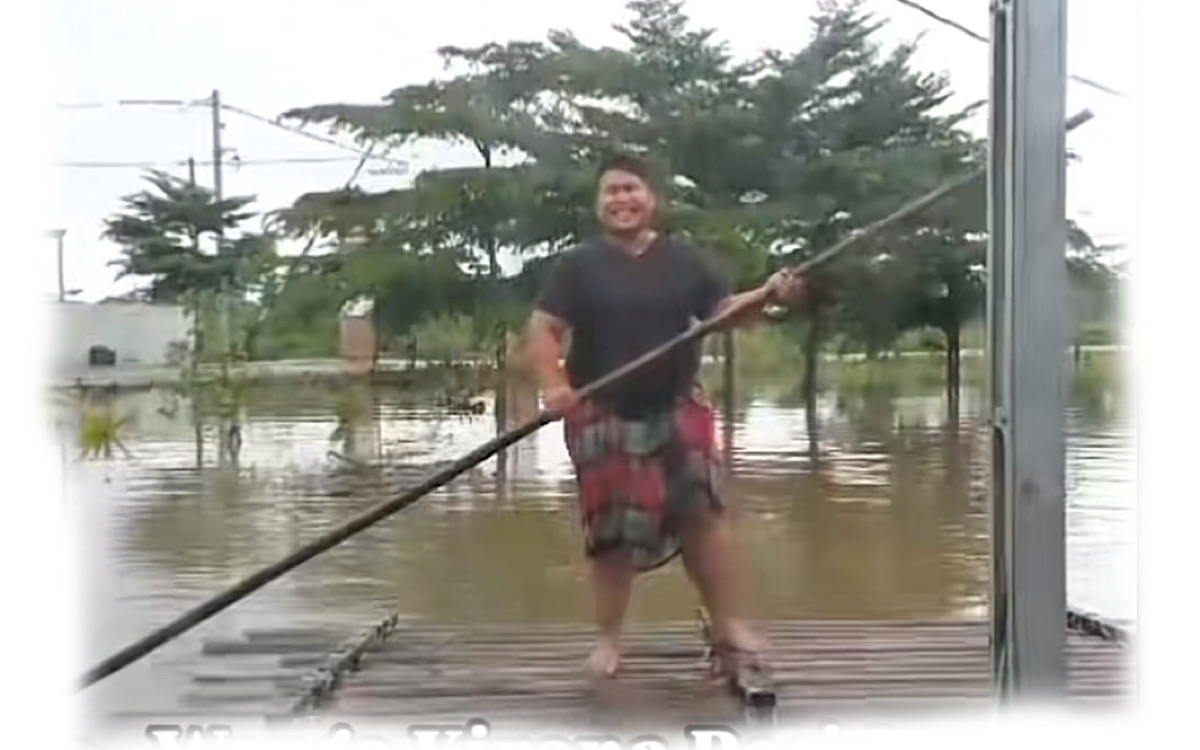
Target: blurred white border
(40, 622)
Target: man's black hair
(624, 162)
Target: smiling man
(645, 451)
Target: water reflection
(891, 521)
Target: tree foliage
(162, 230)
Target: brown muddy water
(890, 522)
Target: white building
(139, 335)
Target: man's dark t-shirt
(620, 305)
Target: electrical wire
(184, 162)
(177, 103)
(304, 133)
(981, 38)
(396, 165)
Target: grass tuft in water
(100, 432)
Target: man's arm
(716, 296)
(549, 324)
(546, 334)
(753, 304)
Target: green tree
(945, 252)
(1093, 282)
(161, 232)
(300, 319)
(471, 213)
(675, 95)
(850, 133)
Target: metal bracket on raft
(322, 685)
(1096, 626)
(752, 687)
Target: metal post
(1027, 339)
(218, 181)
(224, 299)
(58, 235)
(999, 168)
(62, 286)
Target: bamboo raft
(406, 671)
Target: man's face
(624, 202)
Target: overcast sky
(266, 56)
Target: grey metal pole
(218, 178)
(193, 360)
(999, 168)
(62, 286)
(58, 235)
(225, 440)
(1027, 340)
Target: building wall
(141, 334)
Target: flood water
(889, 522)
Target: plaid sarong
(638, 479)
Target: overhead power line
(981, 38)
(293, 130)
(234, 162)
(365, 155)
(397, 164)
(178, 103)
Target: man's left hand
(785, 287)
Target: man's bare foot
(738, 646)
(605, 658)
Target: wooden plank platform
(409, 673)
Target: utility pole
(193, 361)
(58, 235)
(1027, 344)
(218, 184)
(227, 430)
